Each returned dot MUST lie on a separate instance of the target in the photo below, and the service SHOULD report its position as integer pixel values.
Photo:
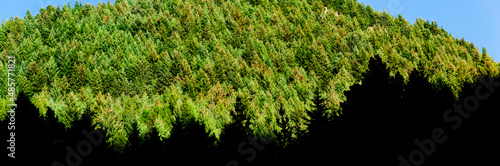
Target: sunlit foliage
(153, 64)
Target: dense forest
(148, 69)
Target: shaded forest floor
(380, 121)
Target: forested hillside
(144, 66)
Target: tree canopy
(154, 64)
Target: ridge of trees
(155, 64)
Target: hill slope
(144, 66)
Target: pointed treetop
(28, 15)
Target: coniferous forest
(203, 81)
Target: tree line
(155, 64)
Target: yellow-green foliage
(155, 64)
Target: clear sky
(477, 21)
(19, 7)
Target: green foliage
(150, 65)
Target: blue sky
(477, 21)
(19, 7)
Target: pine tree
(261, 64)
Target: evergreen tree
(138, 66)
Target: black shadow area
(381, 120)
